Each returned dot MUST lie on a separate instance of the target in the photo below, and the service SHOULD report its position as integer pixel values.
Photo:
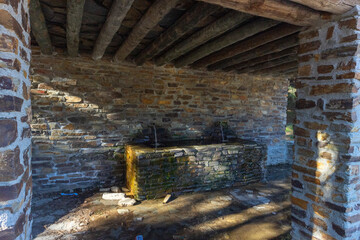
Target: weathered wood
(272, 34)
(275, 46)
(244, 31)
(39, 28)
(291, 71)
(117, 13)
(332, 6)
(152, 17)
(253, 62)
(222, 25)
(75, 10)
(184, 24)
(281, 10)
(269, 64)
(280, 68)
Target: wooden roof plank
(280, 31)
(185, 23)
(75, 11)
(281, 10)
(39, 28)
(220, 26)
(149, 20)
(117, 13)
(243, 32)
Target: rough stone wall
(325, 176)
(153, 174)
(15, 116)
(83, 110)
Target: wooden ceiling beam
(149, 20)
(281, 10)
(253, 62)
(269, 64)
(332, 6)
(184, 24)
(272, 34)
(39, 28)
(243, 32)
(280, 68)
(273, 47)
(75, 10)
(117, 13)
(220, 26)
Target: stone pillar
(15, 114)
(325, 178)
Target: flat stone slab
(249, 198)
(126, 202)
(113, 196)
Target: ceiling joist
(243, 32)
(39, 28)
(152, 17)
(276, 46)
(222, 25)
(272, 56)
(184, 24)
(280, 10)
(270, 35)
(117, 13)
(332, 6)
(75, 9)
(269, 64)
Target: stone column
(325, 178)
(15, 114)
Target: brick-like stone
(299, 202)
(10, 166)
(8, 132)
(337, 88)
(10, 104)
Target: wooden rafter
(75, 10)
(243, 32)
(273, 47)
(280, 10)
(253, 62)
(39, 28)
(269, 64)
(222, 25)
(184, 24)
(280, 68)
(272, 34)
(332, 6)
(117, 13)
(151, 18)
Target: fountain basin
(191, 166)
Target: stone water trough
(187, 166)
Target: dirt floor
(258, 211)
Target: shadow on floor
(214, 215)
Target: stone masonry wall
(153, 174)
(325, 176)
(15, 116)
(84, 110)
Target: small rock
(104, 190)
(113, 196)
(249, 191)
(124, 189)
(167, 198)
(123, 211)
(126, 202)
(225, 198)
(115, 189)
(138, 219)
